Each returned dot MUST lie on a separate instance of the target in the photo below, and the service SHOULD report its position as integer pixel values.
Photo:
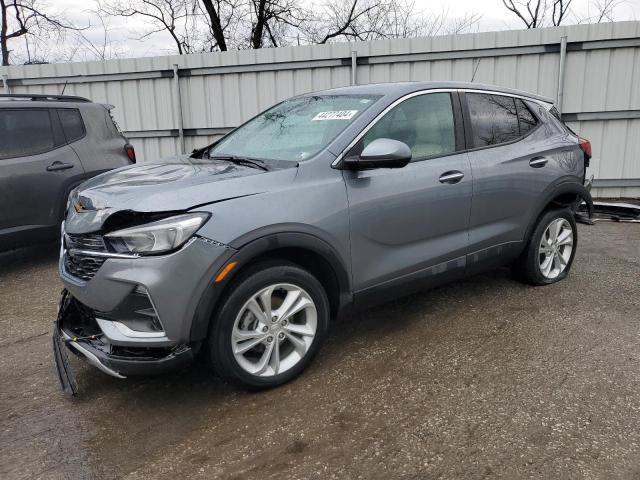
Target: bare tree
(530, 12)
(539, 13)
(176, 17)
(559, 11)
(601, 11)
(271, 20)
(223, 18)
(94, 43)
(370, 19)
(342, 20)
(29, 19)
(209, 25)
(193, 25)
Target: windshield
(295, 129)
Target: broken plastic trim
(90, 357)
(60, 342)
(65, 373)
(616, 212)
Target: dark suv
(245, 249)
(48, 145)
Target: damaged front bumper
(77, 330)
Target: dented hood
(172, 184)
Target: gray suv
(49, 144)
(244, 250)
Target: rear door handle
(452, 176)
(59, 166)
(538, 162)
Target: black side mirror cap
(381, 153)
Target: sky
(123, 33)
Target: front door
(409, 225)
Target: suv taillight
(131, 153)
(585, 145)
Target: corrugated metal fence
(172, 103)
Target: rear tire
(269, 326)
(549, 254)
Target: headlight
(157, 237)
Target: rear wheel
(269, 326)
(549, 254)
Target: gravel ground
(481, 378)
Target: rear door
(411, 223)
(37, 169)
(511, 171)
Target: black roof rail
(43, 97)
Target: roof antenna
(476, 69)
(67, 81)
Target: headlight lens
(157, 237)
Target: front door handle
(452, 176)
(55, 166)
(538, 162)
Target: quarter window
(71, 124)
(526, 119)
(424, 122)
(25, 132)
(494, 119)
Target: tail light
(585, 145)
(131, 153)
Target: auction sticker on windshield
(335, 115)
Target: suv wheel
(270, 326)
(549, 254)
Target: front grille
(86, 241)
(81, 265)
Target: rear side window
(25, 132)
(494, 119)
(424, 122)
(526, 119)
(71, 124)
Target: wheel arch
(564, 194)
(304, 248)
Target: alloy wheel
(556, 246)
(274, 330)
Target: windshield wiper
(250, 162)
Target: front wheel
(549, 254)
(269, 326)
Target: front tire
(549, 254)
(269, 326)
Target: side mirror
(382, 153)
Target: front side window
(25, 132)
(424, 122)
(494, 119)
(295, 129)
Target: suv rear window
(25, 132)
(494, 119)
(71, 124)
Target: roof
(403, 88)
(28, 100)
(41, 97)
